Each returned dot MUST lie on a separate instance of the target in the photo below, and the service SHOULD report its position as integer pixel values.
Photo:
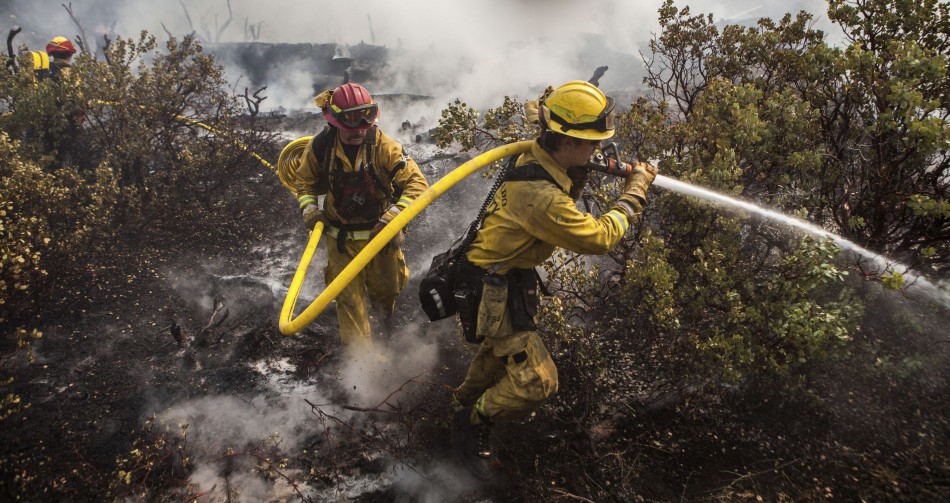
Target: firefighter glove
(639, 181)
(312, 215)
(396, 242)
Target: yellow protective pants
(512, 373)
(381, 281)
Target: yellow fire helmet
(579, 109)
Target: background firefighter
(533, 212)
(60, 134)
(61, 50)
(367, 180)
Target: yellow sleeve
(311, 181)
(404, 173)
(557, 221)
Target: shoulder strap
(531, 171)
(322, 143)
(477, 223)
(370, 139)
(40, 60)
(369, 144)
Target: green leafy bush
(116, 149)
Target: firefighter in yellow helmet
(367, 179)
(534, 212)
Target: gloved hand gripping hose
(290, 325)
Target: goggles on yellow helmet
(603, 122)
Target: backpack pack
(453, 285)
(43, 68)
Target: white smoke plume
(478, 50)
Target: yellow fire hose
(289, 161)
(290, 325)
(215, 131)
(206, 127)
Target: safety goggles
(356, 117)
(603, 123)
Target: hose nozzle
(606, 160)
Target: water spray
(605, 161)
(927, 288)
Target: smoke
(229, 435)
(478, 50)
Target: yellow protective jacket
(527, 219)
(391, 165)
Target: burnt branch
(170, 36)
(217, 37)
(13, 33)
(194, 33)
(598, 73)
(82, 31)
(372, 35)
(81, 43)
(254, 105)
(252, 32)
(105, 48)
(398, 444)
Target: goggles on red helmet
(603, 123)
(356, 117)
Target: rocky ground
(165, 378)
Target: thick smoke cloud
(478, 50)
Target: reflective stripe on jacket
(389, 162)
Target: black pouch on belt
(468, 296)
(436, 291)
(523, 298)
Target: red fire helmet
(351, 107)
(60, 46)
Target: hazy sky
(417, 23)
(479, 50)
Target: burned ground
(179, 327)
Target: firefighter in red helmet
(61, 50)
(367, 179)
(59, 134)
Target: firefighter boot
(472, 444)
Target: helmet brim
(583, 134)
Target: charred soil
(185, 315)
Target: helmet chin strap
(543, 122)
